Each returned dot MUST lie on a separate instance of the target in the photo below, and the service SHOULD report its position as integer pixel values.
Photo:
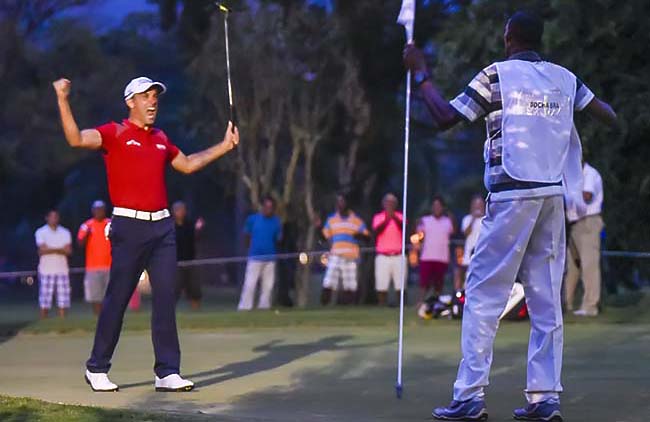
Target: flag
(407, 18)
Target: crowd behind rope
(432, 253)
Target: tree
(296, 84)
(605, 43)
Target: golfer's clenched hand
(62, 88)
(231, 139)
(414, 58)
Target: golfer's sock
(540, 397)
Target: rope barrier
(291, 255)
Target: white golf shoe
(99, 382)
(173, 383)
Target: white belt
(141, 215)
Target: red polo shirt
(136, 159)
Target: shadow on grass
(274, 355)
(10, 330)
(604, 375)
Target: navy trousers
(138, 245)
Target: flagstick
(407, 18)
(400, 347)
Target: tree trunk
(303, 277)
(302, 284)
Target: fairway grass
(32, 410)
(208, 320)
(333, 364)
(637, 310)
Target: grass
(636, 310)
(208, 320)
(218, 313)
(617, 375)
(31, 410)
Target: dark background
(321, 82)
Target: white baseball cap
(98, 204)
(140, 85)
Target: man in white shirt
(583, 253)
(54, 246)
(470, 227)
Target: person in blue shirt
(263, 231)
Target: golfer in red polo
(142, 234)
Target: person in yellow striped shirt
(343, 230)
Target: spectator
(583, 253)
(470, 226)
(343, 229)
(435, 231)
(92, 236)
(186, 278)
(389, 265)
(54, 246)
(263, 232)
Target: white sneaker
(173, 382)
(585, 313)
(99, 382)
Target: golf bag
(443, 306)
(451, 306)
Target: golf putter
(233, 112)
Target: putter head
(228, 6)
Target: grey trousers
(522, 239)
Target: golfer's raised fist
(414, 58)
(62, 88)
(231, 140)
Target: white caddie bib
(538, 100)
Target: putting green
(332, 365)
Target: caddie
(528, 104)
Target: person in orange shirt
(92, 235)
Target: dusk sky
(106, 14)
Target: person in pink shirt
(387, 228)
(434, 230)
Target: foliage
(320, 93)
(603, 42)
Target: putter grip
(233, 117)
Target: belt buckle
(143, 215)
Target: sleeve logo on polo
(161, 146)
(133, 142)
